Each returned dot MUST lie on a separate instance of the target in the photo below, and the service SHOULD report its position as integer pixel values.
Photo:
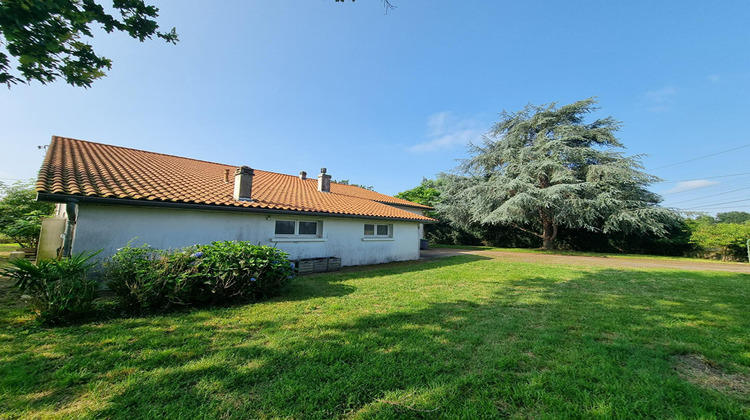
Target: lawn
(6, 249)
(460, 337)
(579, 253)
(9, 247)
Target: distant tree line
(721, 237)
(346, 182)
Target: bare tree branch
(527, 231)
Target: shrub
(20, 214)
(240, 271)
(222, 272)
(136, 275)
(727, 240)
(59, 290)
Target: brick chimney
(243, 183)
(324, 181)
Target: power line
(712, 195)
(717, 184)
(705, 177)
(719, 204)
(702, 157)
(736, 208)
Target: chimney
(324, 181)
(243, 183)
(303, 175)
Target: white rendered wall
(111, 227)
(415, 211)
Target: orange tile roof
(86, 169)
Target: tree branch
(527, 231)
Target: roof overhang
(66, 198)
(415, 206)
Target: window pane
(284, 227)
(382, 230)
(308, 228)
(369, 229)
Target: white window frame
(296, 236)
(375, 236)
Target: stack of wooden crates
(318, 265)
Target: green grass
(461, 337)
(9, 247)
(5, 250)
(578, 253)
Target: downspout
(71, 210)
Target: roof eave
(414, 205)
(62, 198)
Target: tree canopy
(427, 193)
(733, 217)
(545, 168)
(48, 38)
(723, 239)
(20, 213)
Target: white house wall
(112, 227)
(415, 211)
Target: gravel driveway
(603, 261)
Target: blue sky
(386, 99)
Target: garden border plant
(149, 279)
(58, 289)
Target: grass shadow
(333, 284)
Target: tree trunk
(549, 233)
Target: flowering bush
(221, 272)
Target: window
(285, 227)
(383, 231)
(297, 228)
(308, 228)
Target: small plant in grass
(221, 272)
(58, 290)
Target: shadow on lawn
(599, 344)
(330, 284)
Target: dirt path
(602, 261)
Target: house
(107, 195)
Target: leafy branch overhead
(47, 40)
